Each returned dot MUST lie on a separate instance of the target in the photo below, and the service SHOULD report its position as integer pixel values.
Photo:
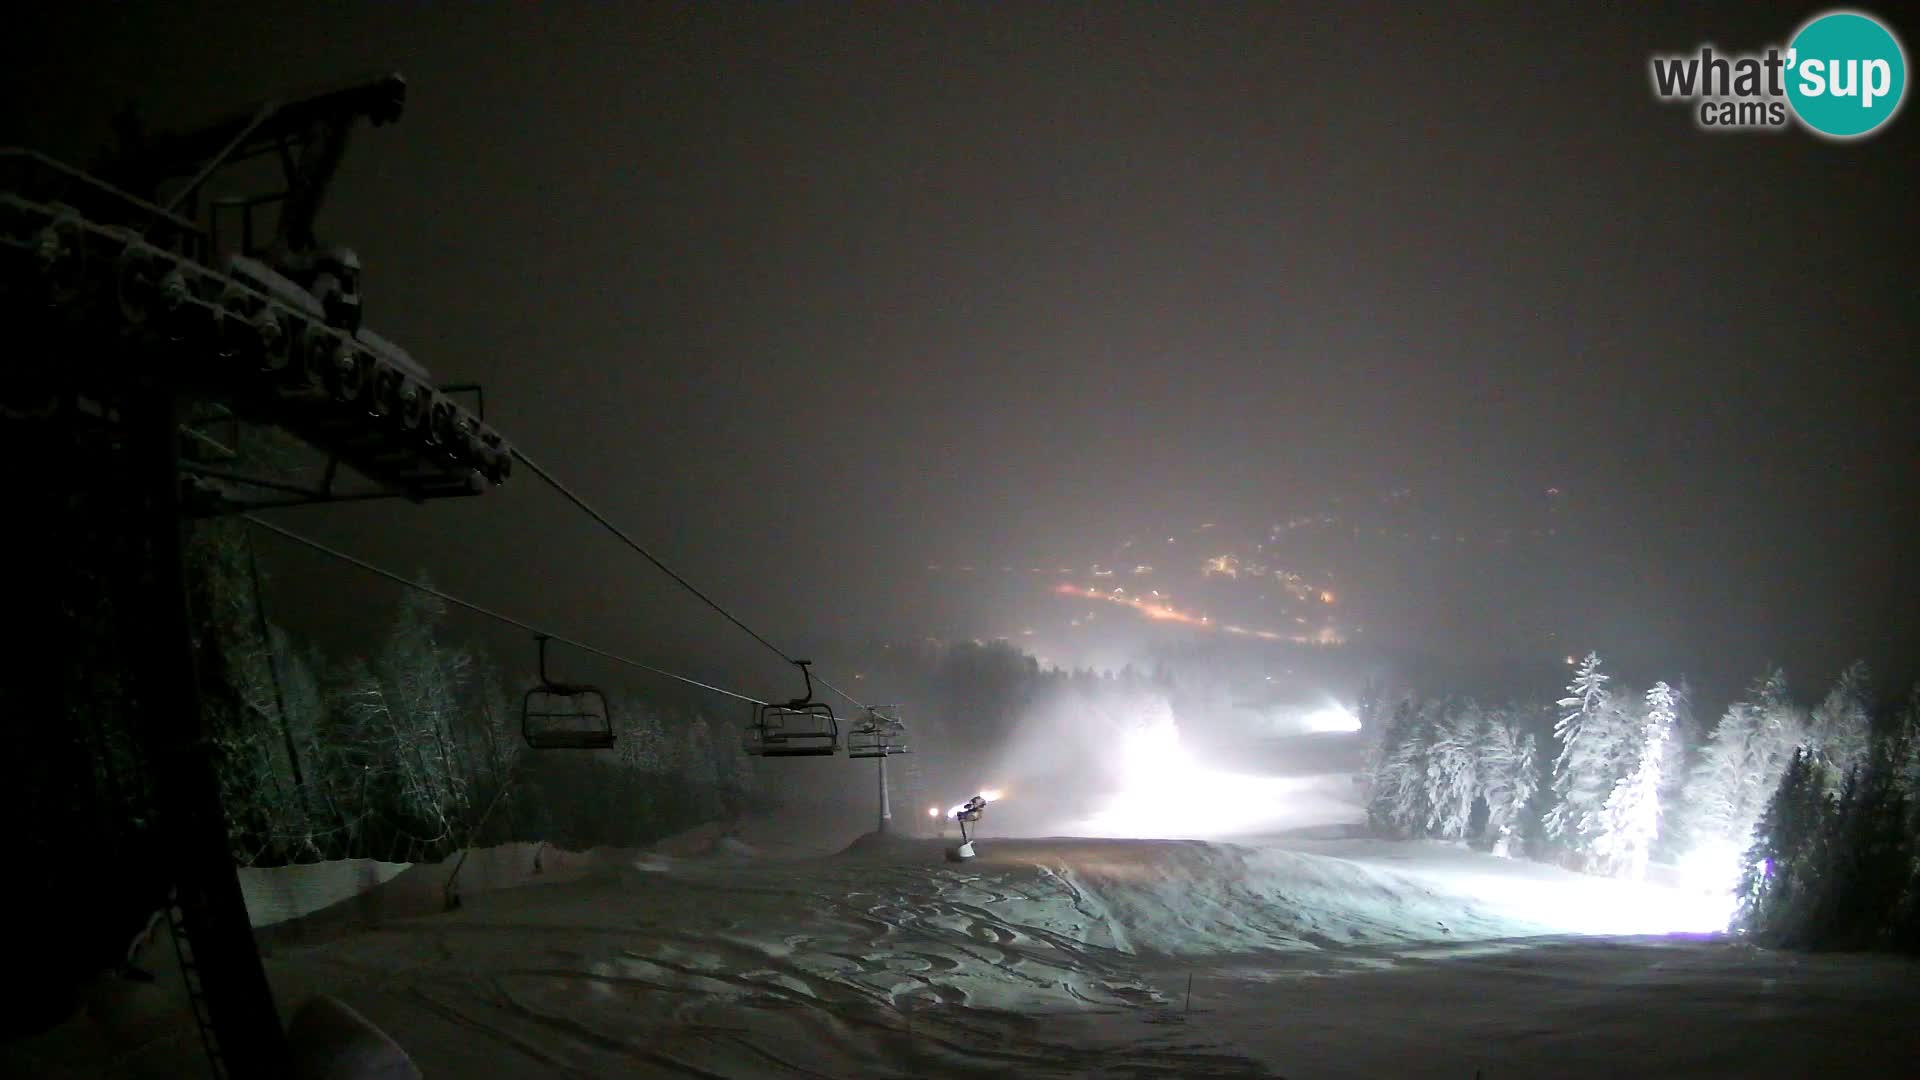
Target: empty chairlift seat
(564, 716)
(877, 734)
(796, 729)
(802, 727)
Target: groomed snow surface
(782, 948)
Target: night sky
(809, 298)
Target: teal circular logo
(1846, 74)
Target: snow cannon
(967, 813)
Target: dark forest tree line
(414, 748)
(1835, 859)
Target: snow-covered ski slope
(1048, 957)
(1044, 957)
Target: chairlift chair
(564, 716)
(877, 735)
(802, 727)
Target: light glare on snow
(1595, 905)
(1164, 792)
(1332, 718)
(1711, 867)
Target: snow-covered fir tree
(1592, 731)
(1630, 820)
(1510, 777)
(1682, 748)
(1452, 770)
(1384, 718)
(1838, 729)
(1399, 798)
(1739, 770)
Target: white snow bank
(369, 892)
(276, 894)
(373, 891)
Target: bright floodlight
(1164, 791)
(977, 803)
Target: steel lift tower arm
(308, 135)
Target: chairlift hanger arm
(807, 698)
(572, 716)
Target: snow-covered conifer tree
(1399, 802)
(1682, 747)
(1452, 769)
(1584, 771)
(1739, 771)
(1508, 772)
(1838, 729)
(1630, 820)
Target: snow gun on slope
(968, 813)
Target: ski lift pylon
(802, 727)
(564, 716)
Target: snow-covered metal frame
(878, 733)
(96, 273)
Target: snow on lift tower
(878, 734)
(307, 137)
(270, 318)
(802, 727)
(287, 261)
(564, 716)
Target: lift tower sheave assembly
(135, 317)
(879, 734)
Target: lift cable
(568, 494)
(855, 702)
(488, 612)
